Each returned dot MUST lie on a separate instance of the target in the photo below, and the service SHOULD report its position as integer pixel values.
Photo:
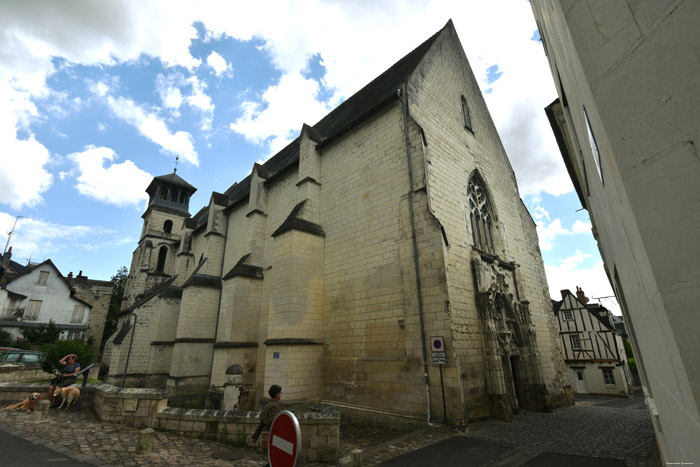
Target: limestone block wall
(296, 300)
(130, 406)
(373, 356)
(238, 236)
(281, 198)
(98, 294)
(148, 364)
(452, 153)
(297, 368)
(319, 431)
(237, 339)
(24, 372)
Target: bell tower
(153, 260)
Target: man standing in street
(268, 412)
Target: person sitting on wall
(268, 412)
(71, 368)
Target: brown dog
(27, 404)
(69, 394)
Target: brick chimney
(5, 262)
(581, 296)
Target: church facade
(332, 267)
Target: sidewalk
(83, 438)
(597, 431)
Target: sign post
(284, 443)
(437, 347)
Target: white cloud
(593, 280)
(38, 239)
(201, 101)
(548, 233)
(539, 213)
(24, 177)
(118, 184)
(168, 90)
(581, 227)
(492, 33)
(285, 107)
(33, 34)
(99, 88)
(219, 64)
(152, 127)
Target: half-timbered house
(593, 348)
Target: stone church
(331, 268)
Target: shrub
(22, 344)
(5, 338)
(55, 351)
(43, 334)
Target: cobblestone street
(596, 428)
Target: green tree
(115, 303)
(55, 351)
(42, 335)
(5, 338)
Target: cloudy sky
(96, 98)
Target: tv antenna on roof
(12, 231)
(177, 161)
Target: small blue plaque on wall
(275, 355)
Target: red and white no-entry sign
(284, 443)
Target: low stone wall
(319, 430)
(20, 391)
(136, 407)
(25, 372)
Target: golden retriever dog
(27, 404)
(69, 394)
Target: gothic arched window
(480, 213)
(162, 256)
(173, 196)
(168, 226)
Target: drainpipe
(404, 104)
(128, 353)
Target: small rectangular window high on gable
(43, 278)
(466, 115)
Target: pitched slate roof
(348, 114)
(174, 179)
(354, 110)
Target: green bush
(633, 364)
(22, 344)
(55, 351)
(42, 335)
(5, 338)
